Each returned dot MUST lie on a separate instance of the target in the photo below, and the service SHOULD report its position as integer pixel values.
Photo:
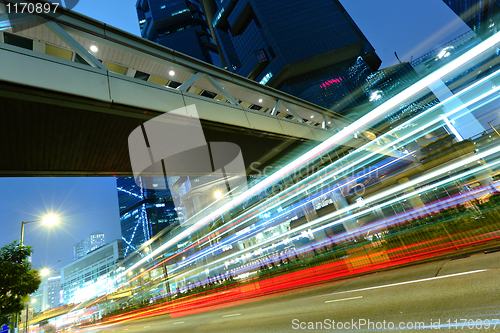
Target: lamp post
(47, 220)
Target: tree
(18, 279)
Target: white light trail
(410, 282)
(344, 299)
(360, 213)
(333, 140)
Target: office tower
(94, 241)
(78, 250)
(180, 25)
(143, 214)
(49, 293)
(482, 16)
(314, 51)
(93, 274)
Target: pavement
(449, 295)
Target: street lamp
(49, 220)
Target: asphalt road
(434, 295)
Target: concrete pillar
(310, 212)
(340, 203)
(415, 200)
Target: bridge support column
(340, 202)
(415, 201)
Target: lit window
(218, 16)
(180, 12)
(261, 56)
(266, 78)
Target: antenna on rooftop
(397, 57)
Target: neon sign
(331, 82)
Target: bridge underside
(50, 134)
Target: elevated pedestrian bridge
(73, 89)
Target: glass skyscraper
(180, 25)
(143, 214)
(311, 50)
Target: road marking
(179, 322)
(409, 282)
(233, 315)
(343, 299)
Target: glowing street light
(49, 220)
(218, 194)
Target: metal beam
(221, 90)
(295, 114)
(74, 45)
(185, 86)
(274, 112)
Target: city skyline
(419, 29)
(83, 205)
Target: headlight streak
(379, 150)
(336, 138)
(372, 199)
(404, 216)
(471, 102)
(325, 177)
(279, 200)
(265, 224)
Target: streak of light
(333, 140)
(344, 299)
(411, 282)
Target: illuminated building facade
(92, 274)
(144, 213)
(315, 52)
(94, 241)
(48, 295)
(180, 25)
(482, 16)
(382, 85)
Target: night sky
(411, 28)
